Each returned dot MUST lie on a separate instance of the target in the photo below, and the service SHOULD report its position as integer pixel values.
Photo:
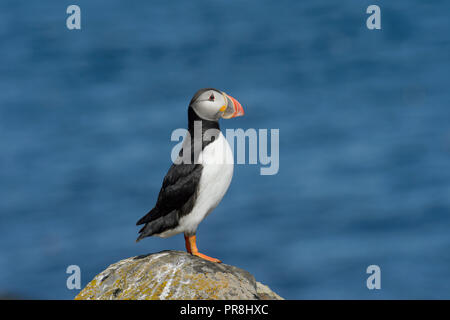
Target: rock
(174, 275)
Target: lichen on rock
(174, 275)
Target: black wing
(176, 198)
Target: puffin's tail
(157, 225)
(151, 215)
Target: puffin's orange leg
(191, 247)
(187, 243)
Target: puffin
(200, 176)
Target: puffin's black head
(212, 104)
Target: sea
(363, 148)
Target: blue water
(364, 118)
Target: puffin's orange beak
(233, 108)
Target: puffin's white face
(212, 104)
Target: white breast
(218, 163)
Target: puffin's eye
(211, 97)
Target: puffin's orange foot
(191, 247)
(203, 256)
